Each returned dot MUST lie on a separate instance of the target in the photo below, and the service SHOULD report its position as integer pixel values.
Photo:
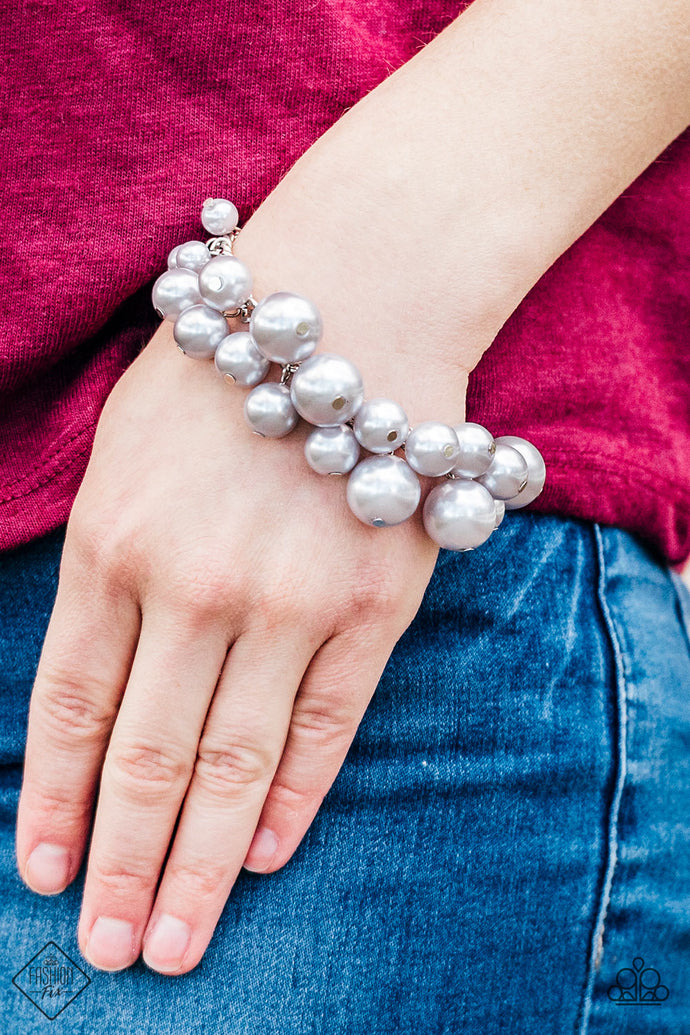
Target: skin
(221, 619)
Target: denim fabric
(509, 831)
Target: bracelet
(205, 285)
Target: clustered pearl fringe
(483, 477)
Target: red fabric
(122, 118)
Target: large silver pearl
(475, 450)
(459, 515)
(225, 283)
(536, 470)
(331, 450)
(383, 491)
(175, 291)
(192, 255)
(239, 360)
(507, 475)
(327, 390)
(286, 327)
(500, 511)
(219, 216)
(269, 411)
(381, 425)
(198, 330)
(172, 258)
(432, 448)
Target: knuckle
(107, 543)
(197, 883)
(377, 592)
(120, 880)
(223, 769)
(286, 604)
(145, 772)
(294, 800)
(200, 587)
(71, 714)
(327, 722)
(54, 805)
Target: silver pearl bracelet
(205, 285)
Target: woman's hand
(220, 626)
(221, 619)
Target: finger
(80, 678)
(238, 754)
(334, 696)
(145, 775)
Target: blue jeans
(509, 832)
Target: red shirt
(122, 118)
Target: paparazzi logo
(638, 986)
(51, 980)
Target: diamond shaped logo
(51, 980)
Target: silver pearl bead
(238, 358)
(172, 258)
(459, 515)
(198, 330)
(286, 327)
(327, 390)
(269, 411)
(383, 491)
(225, 283)
(475, 450)
(432, 448)
(507, 475)
(381, 425)
(192, 255)
(219, 216)
(500, 512)
(331, 450)
(175, 291)
(536, 470)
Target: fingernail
(110, 945)
(261, 850)
(47, 869)
(165, 947)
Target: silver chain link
(287, 372)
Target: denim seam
(682, 605)
(620, 726)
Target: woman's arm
(452, 187)
(222, 620)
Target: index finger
(80, 678)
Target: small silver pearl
(327, 390)
(500, 512)
(225, 283)
(536, 470)
(174, 291)
(269, 411)
(192, 255)
(238, 358)
(507, 475)
(219, 216)
(286, 327)
(432, 448)
(381, 425)
(331, 450)
(198, 330)
(383, 491)
(475, 450)
(459, 515)
(172, 258)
